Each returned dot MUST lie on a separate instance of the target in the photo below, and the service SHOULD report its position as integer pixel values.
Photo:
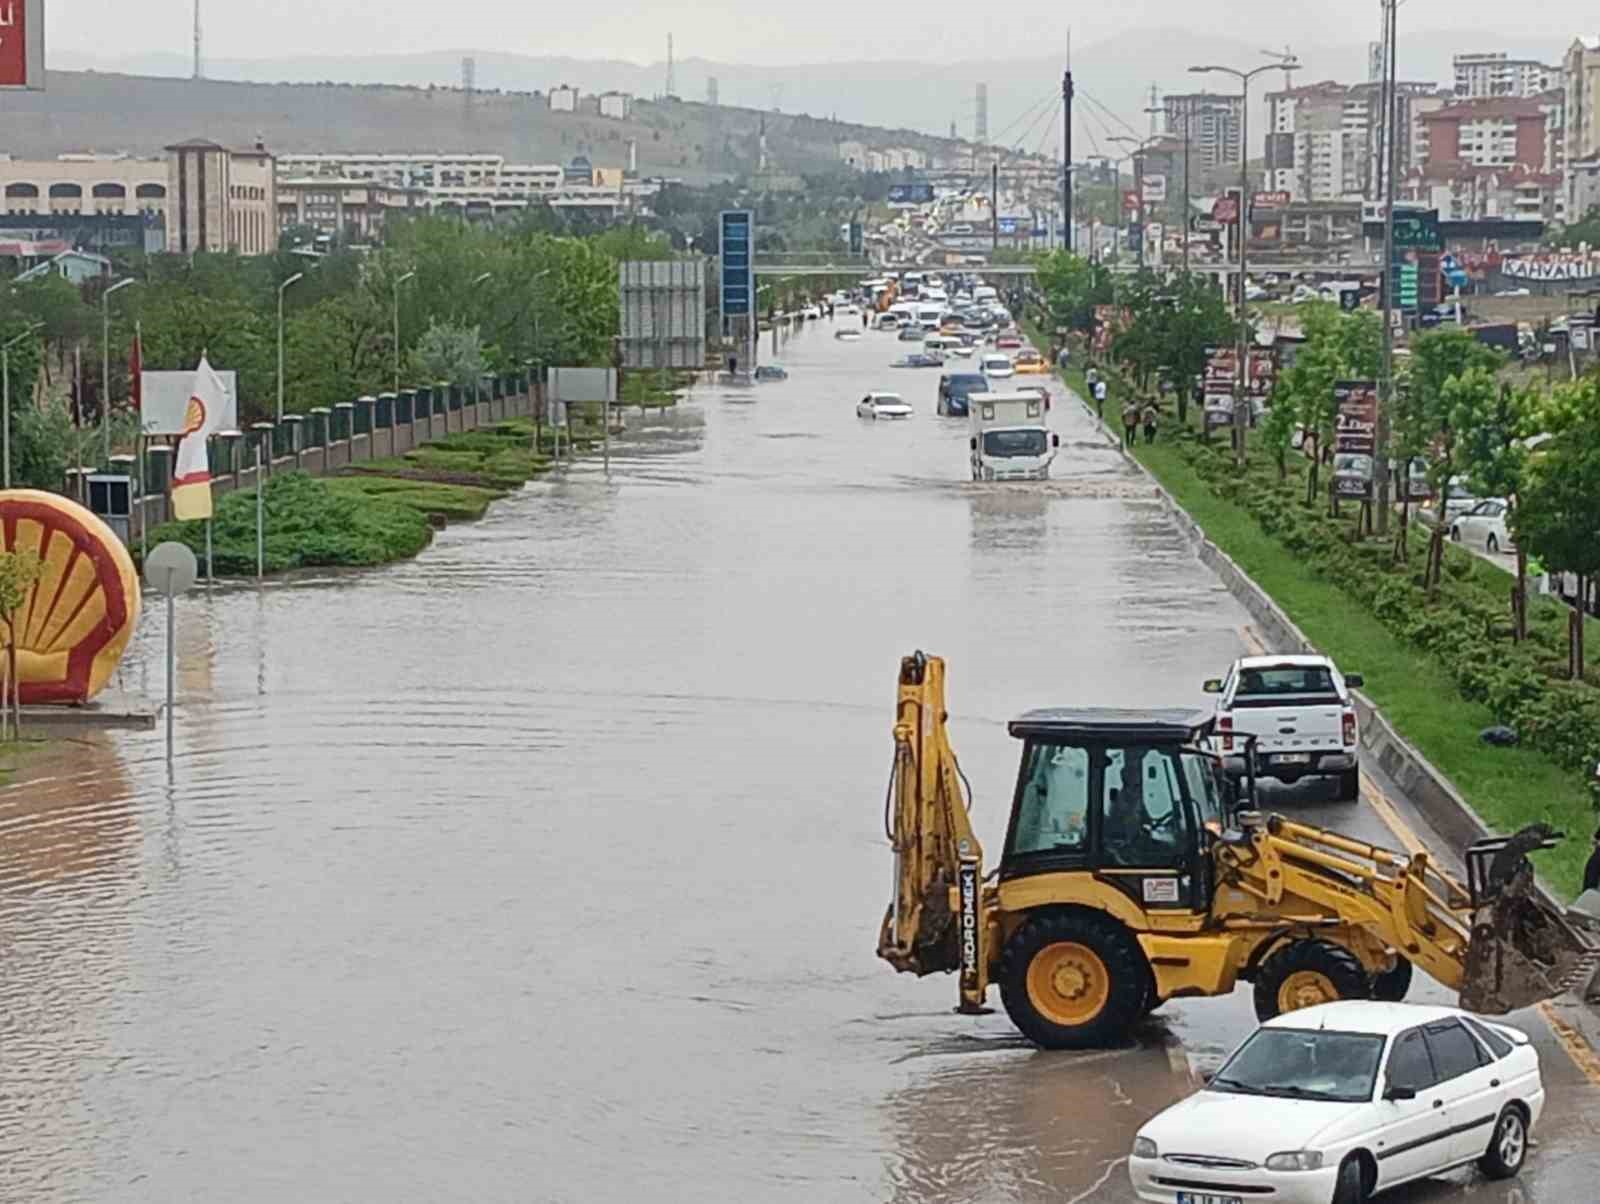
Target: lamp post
(282, 288)
(477, 372)
(105, 366)
(401, 280)
(1241, 401)
(5, 389)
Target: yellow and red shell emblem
(75, 623)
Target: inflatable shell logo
(75, 623)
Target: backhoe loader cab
(1130, 876)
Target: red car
(1006, 342)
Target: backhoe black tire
(1073, 980)
(1350, 786)
(1306, 972)
(1351, 1186)
(1391, 986)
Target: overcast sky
(743, 31)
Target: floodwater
(549, 865)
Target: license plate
(1197, 1197)
(1292, 759)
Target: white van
(929, 316)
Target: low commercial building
(354, 209)
(84, 184)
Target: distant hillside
(89, 110)
(1117, 73)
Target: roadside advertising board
(1269, 200)
(22, 44)
(1218, 382)
(1263, 372)
(1355, 438)
(1225, 210)
(1155, 189)
(736, 247)
(1130, 202)
(663, 312)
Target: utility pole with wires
(1068, 240)
(1390, 165)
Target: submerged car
(1334, 1103)
(882, 405)
(771, 372)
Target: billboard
(1155, 189)
(1269, 200)
(22, 44)
(736, 248)
(1355, 436)
(164, 396)
(663, 313)
(1225, 210)
(910, 194)
(1218, 382)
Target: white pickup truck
(1301, 714)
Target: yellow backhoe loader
(1130, 876)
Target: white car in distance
(1484, 526)
(997, 367)
(1332, 1104)
(882, 405)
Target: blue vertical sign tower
(737, 250)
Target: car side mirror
(1397, 1092)
(1213, 686)
(1354, 680)
(1055, 440)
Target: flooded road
(549, 866)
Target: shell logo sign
(75, 623)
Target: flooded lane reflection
(549, 865)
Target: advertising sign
(1263, 372)
(1218, 382)
(737, 250)
(1130, 202)
(1418, 230)
(164, 401)
(1269, 200)
(663, 313)
(1355, 438)
(22, 44)
(910, 194)
(1008, 225)
(857, 246)
(1551, 267)
(1155, 189)
(1225, 210)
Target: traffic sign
(22, 44)
(170, 568)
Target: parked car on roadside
(1334, 1103)
(1484, 526)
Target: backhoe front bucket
(1522, 949)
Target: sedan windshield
(1295, 1063)
(1014, 443)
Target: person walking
(1130, 423)
(1100, 399)
(1150, 416)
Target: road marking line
(1252, 640)
(1574, 1042)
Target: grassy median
(1420, 694)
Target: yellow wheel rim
(1304, 989)
(1068, 984)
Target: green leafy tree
(450, 353)
(1492, 449)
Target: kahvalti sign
(22, 44)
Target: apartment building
(460, 176)
(1486, 76)
(1462, 193)
(1498, 132)
(1580, 80)
(84, 184)
(1323, 144)
(1215, 126)
(340, 206)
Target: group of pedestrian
(1134, 416)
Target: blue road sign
(737, 250)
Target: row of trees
(469, 298)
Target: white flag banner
(191, 475)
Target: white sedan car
(882, 405)
(1332, 1104)
(1484, 526)
(997, 367)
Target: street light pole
(105, 366)
(477, 372)
(282, 288)
(5, 388)
(1241, 401)
(397, 285)
(1380, 436)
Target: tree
(1338, 346)
(18, 573)
(449, 353)
(1492, 450)
(1558, 518)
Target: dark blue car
(954, 389)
